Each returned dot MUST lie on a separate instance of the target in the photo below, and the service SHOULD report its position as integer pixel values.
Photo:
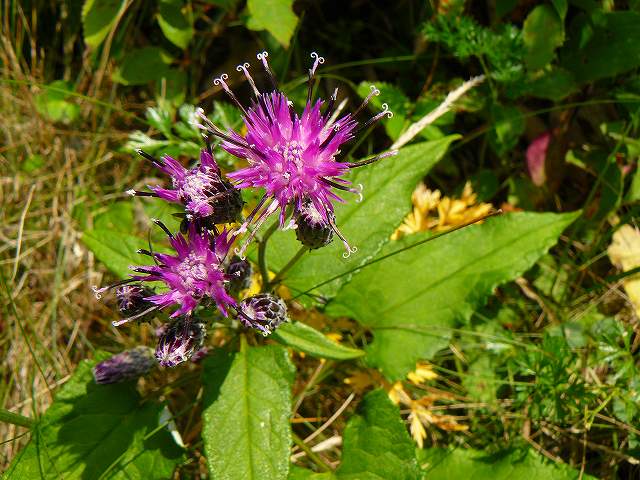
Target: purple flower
(132, 301)
(293, 156)
(180, 341)
(239, 272)
(127, 365)
(202, 190)
(263, 312)
(312, 229)
(195, 273)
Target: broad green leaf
(398, 103)
(376, 443)
(247, 405)
(307, 339)
(274, 16)
(543, 32)
(97, 431)
(176, 21)
(115, 249)
(53, 104)
(298, 473)
(554, 83)
(98, 17)
(118, 217)
(412, 300)
(141, 66)
(368, 224)
(603, 45)
(443, 464)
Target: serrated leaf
(97, 431)
(274, 16)
(141, 66)
(376, 443)
(307, 339)
(115, 249)
(98, 17)
(543, 32)
(412, 300)
(247, 405)
(368, 225)
(443, 464)
(176, 22)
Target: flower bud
(127, 365)
(312, 230)
(131, 301)
(180, 341)
(226, 201)
(264, 312)
(240, 272)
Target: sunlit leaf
(176, 21)
(274, 16)
(309, 340)
(98, 17)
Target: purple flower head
(181, 340)
(312, 229)
(194, 274)
(239, 272)
(201, 189)
(293, 156)
(132, 301)
(263, 312)
(127, 365)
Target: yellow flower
(421, 374)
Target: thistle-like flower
(292, 156)
(132, 301)
(195, 274)
(206, 196)
(264, 312)
(180, 341)
(127, 365)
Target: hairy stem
(16, 419)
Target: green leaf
(52, 102)
(508, 125)
(376, 443)
(602, 46)
(275, 16)
(554, 84)
(368, 225)
(297, 473)
(141, 66)
(543, 32)
(171, 89)
(443, 464)
(115, 249)
(97, 431)
(118, 217)
(307, 339)
(247, 405)
(98, 17)
(176, 22)
(412, 300)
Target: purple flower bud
(313, 230)
(239, 272)
(132, 301)
(200, 354)
(127, 365)
(180, 341)
(264, 312)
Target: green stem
(262, 255)
(16, 419)
(278, 278)
(311, 454)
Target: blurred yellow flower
(451, 212)
(421, 374)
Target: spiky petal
(194, 274)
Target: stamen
(266, 213)
(362, 163)
(221, 80)
(263, 58)
(163, 227)
(151, 158)
(312, 72)
(331, 104)
(365, 102)
(244, 67)
(142, 251)
(291, 225)
(355, 191)
(99, 291)
(117, 323)
(139, 193)
(349, 249)
(376, 118)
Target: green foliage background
(523, 317)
